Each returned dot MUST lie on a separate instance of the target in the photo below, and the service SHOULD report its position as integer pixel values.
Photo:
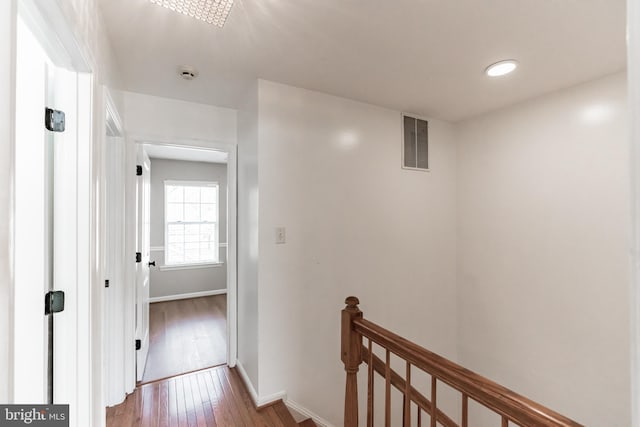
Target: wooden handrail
(510, 405)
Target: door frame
(633, 87)
(232, 265)
(114, 333)
(47, 21)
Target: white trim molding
(161, 248)
(259, 401)
(633, 61)
(307, 413)
(247, 383)
(189, 295)
(190, 266)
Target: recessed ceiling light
(210, 11)
(501, 68)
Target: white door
(45, 226)
(143, 220)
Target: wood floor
(186, 335)
(211, 397)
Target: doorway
(183, 241)
(181, 288)
(53, 117)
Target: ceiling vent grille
(210, 11)
(415, 143)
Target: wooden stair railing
(510, 406)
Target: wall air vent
(415, 143)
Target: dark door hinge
(138, 170)
(138, 344)
(54, 120)
(53, 302)
(138, 257)
(106, 283)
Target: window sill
(190, 266)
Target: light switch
(281, 236)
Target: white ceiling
(172, 152)
(420, 56)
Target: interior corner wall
(543, 244)
(168, 283)
(7, 116)
(248, 236)
(356, 224)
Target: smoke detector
(187, 72)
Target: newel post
(351, 357)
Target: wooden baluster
(370, 387)
(419, 417)
(465, 410)
(434, 409)
(351, 354)
(505, 421)
(407, 398)
(387, 391)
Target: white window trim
(185, 266)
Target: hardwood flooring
(186, 335)
(212, 397)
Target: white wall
(543, 214)
(248, 236)
(356, 224)
(7, 101)
(185, 281)
(154, 118)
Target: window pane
(208, 194)
(195, 241)
(175, 253)
(192, 212)
(175, 233)
(192, 233)
(208, 212)
(191, 252)
(207, 252)
(174, 194)
(192, 194)
(207, 233)
(174, 212)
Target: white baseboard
(258, 401)
(266, 400)
(321, 422)
(189, 295)
(247, 382)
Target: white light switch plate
(281, 235)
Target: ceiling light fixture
(501, 68)
(210, 11)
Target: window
(191, 222)
(415, 148)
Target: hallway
(185, 336)
(210, 397)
